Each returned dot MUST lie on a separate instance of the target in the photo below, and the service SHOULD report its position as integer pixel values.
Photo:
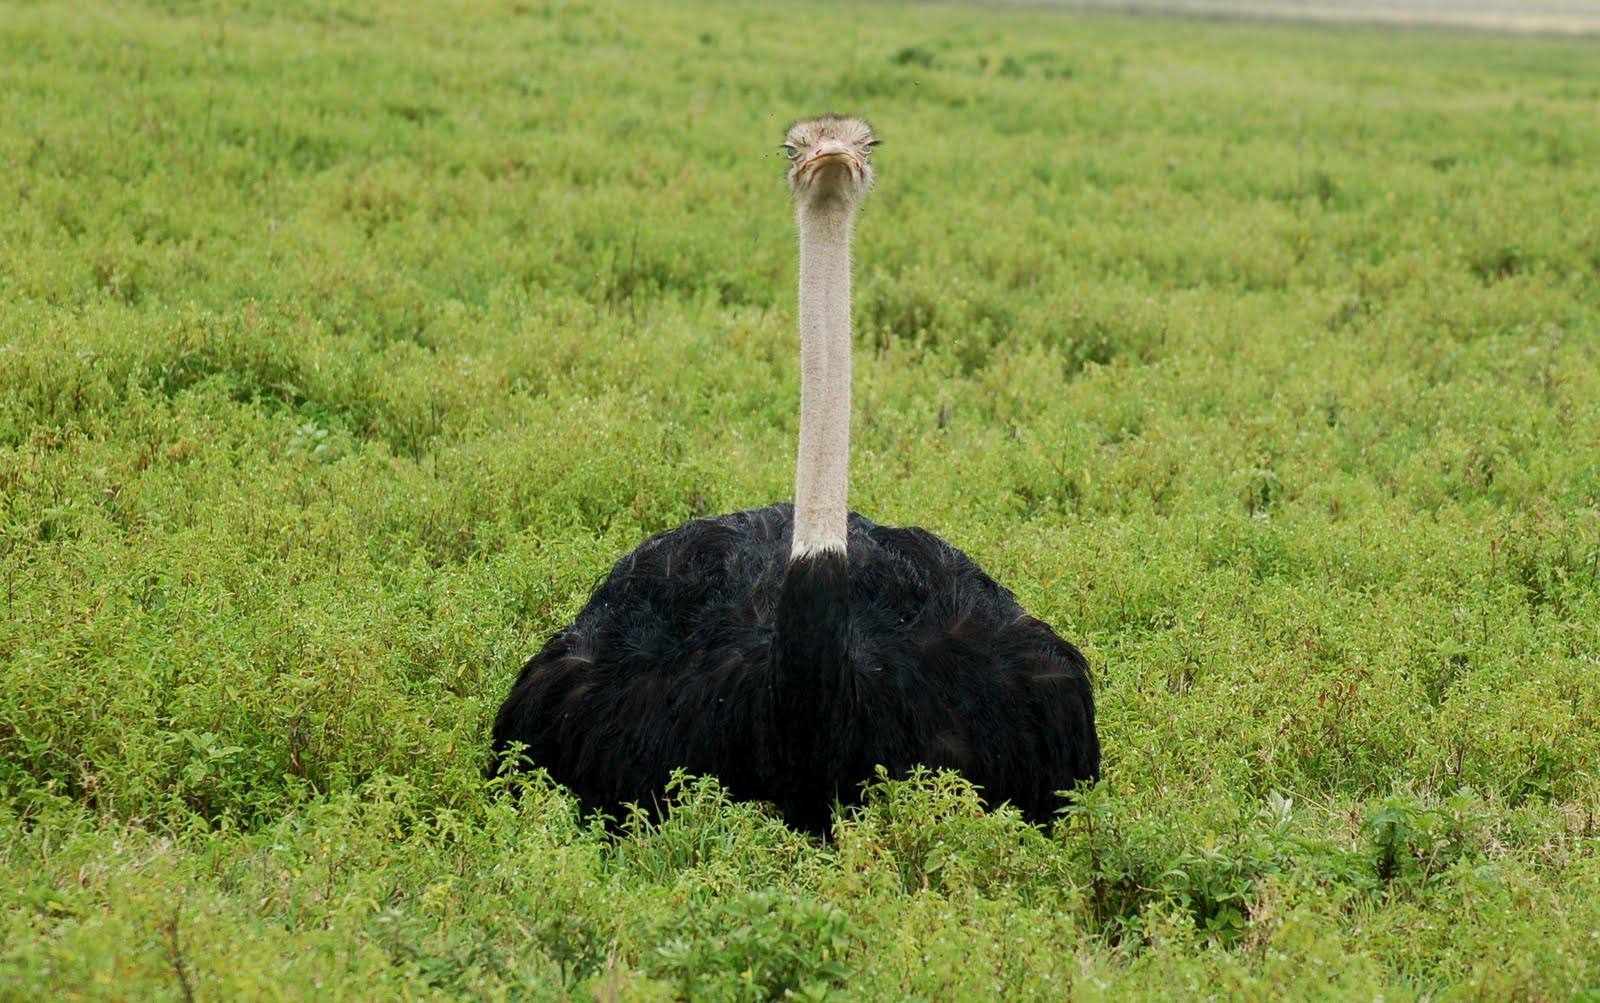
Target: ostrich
(791, 650)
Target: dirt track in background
(1563, 17)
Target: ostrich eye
(789, 150)
(870, 144)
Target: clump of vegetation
(341, 351)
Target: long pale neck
(823, 470)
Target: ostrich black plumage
(791, 650)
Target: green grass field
(344, 345)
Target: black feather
(707, 649)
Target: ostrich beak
(831, 155)
(834, 157)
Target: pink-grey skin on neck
(830, 173)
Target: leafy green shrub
(756, 946)
(1142, 866)
(930, 832)
(1411, 842)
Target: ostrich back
(671, 665)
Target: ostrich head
(829, 159)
